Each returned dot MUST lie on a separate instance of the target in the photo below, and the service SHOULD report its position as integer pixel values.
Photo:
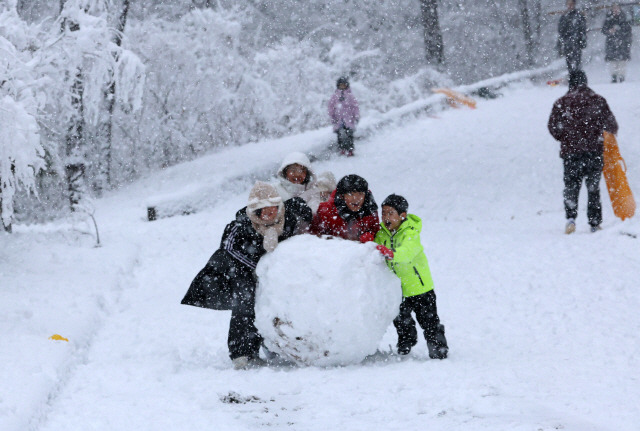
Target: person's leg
(343, 140)
(574, 59)
(243, 339)
(613, 70)
(349, 141)
(572, 182)
(406, 328)
(621, 70)
(593, 173)
(427, 316)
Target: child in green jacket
(399, 242)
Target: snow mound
(325, 302)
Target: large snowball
(325, 302)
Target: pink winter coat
(343, 109)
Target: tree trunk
(537, 6)
(105, 128)
(75, 164)
(74, 140)
(434, 49)
(526, 28)
(6, 227)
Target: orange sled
(455, 99)
(614, 170)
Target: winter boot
(436, 352)
(404, 350)
(570, 226)
(438, 348)
(614, 79)
(240, 363)
(246, 362)
(350, 153)
(595, 229)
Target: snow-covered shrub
(325, 302)
(20, 154)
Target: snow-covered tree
(21, 154)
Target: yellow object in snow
(455, 99)
(58, 337)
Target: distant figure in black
(617, 28)
(572, 36)
(228, 281)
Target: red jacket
(331, 220)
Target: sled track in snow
(79, 357)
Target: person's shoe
(595, 229)
(404, 350)
(350, 153)
(343, 153)
(437, 352)
(570, 226)
(246, 362)
(614, 79)
(240, 363)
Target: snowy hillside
(542, 327)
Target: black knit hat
(577, 78)
(351, 183)
(396, 202)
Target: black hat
(577, 78)
(342, 80)
(351, 183)
(396, 202)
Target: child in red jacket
(350, 213)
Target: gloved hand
(386, 252)
(366, 237)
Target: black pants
(243, 339)
(577, 167)
(574, 59)
(424, 306)
(345, 139)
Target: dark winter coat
(232, 266)
(618, 44)
(334, 218)
(578, 119)
(572, 32)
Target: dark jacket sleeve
(298, 217)
(555, 122)
(242, 242)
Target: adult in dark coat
(617, 28)
(572, 35)
(578, 120)
(350, 213)
(228, 281)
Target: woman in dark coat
(228, 281)
(617, 28)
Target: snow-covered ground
(543, 328)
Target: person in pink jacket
(345, 114)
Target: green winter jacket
(409, 261)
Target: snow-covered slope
(542, 327)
